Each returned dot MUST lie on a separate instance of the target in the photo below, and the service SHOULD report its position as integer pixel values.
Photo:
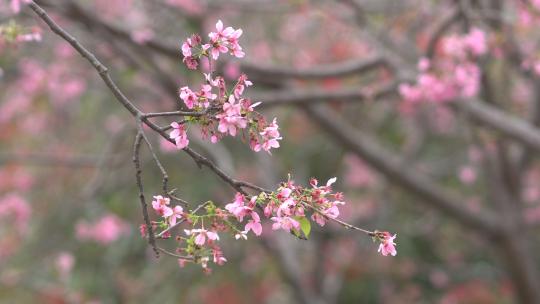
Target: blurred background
(425, 110)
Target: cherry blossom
(179, 135)
(387, 245)
(201, 235)
(285, 223)
(161, 206)
(231, 119)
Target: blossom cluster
(290, 207)
(223, 40)
(221, 111)
(454, 75)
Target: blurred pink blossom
(191, 7)
(142, 36)
(357, 173)
(14, 207)
(467, 175)
(104, 231)
(64, 263)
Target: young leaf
(305, 225)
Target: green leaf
(305, 225)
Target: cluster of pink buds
(289, 208)
(454, 75)
(221, 111)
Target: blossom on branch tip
(387, 245)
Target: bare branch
(137, 163)
(397, 171)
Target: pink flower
(333, 211)
(243, 82)
(231, 118)
(190, 43)
(237, 207)
(205, 94)
(202, 234)
(224, 40)
(218, 47)
(179, 135)
(190, 62)
(254, 224)
(160, 205)
(220, 32)
(188, 96)
(270, 136)
(177, 213)
(318, 218)
(285, 223)
(284, 193)
(387, 245)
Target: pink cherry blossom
(285, 223)
(242, 83)
(188, 96)
(160, 205)
(387, 245)
(179, 135)
(254, 224)
(270, 136)
(231, 119)
(319, 219)
(237, 207)
(201, 235)
(220, 32)
(177, 213)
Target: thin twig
(137, 163)
(160, 235)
